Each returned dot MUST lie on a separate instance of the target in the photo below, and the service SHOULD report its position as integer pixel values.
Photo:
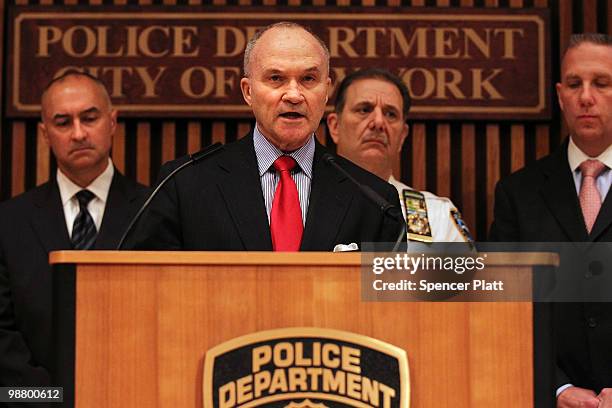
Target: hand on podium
(576, 397)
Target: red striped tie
(286, 218)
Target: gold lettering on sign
(183, 41)
(238, 36)
(103, 43)
(206, 77)
(341, 37)
(398, 38)
(68, 41)
(478, 84)
(371, 39)
(47, 35)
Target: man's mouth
(292, 115)
(376, 140)
(80, 149)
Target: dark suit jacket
(539, 204)
(217, 204)
(32, 225)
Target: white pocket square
(343, 247)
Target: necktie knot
(284, 163)
(591, 168)
(84, 197)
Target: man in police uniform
(369, 127)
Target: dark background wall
(459, 159)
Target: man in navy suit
(274, 189)
(78, 123)
(565, 197)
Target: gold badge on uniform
(417, 222)
(461, 226)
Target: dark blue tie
(84, 230)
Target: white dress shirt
(99, 187)
(266, 153)
(575, 156)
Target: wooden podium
(145, 320)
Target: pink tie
(590, 198)
(286, 217)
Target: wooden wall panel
(218, 132)
(18, 158)
(194, 137)
(493, 160)
(43, 157)
(517, 134)
(417, 154)
(118, 153)
(589, 19)
(168, 142)
(468, 176)
(542, 141)
(143, 141)
(443, 162)
(429, 161)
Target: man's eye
(364, 109)
(275, 78)
(602, 84)
(89, 119)
(391, 115)
(61, 123)
(574, 84)
(310, 78)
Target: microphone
(193, 158)
(385, 206)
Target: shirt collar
(575, 156)
(267, 153)
(100, 186)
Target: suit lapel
(243, 196)
(327, 205)
(48, 221)
(116, 212)
(559, 194)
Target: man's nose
(586, 97)
(79, 132)
(378, 118)
(293, 93)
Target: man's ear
(42, 128)
(113, 117)
(245, 87)
(329, 89)
(558, 87)
(333, 124)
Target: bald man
(273, 189)
(85, 205)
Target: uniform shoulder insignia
(417, 221)
(461, 226)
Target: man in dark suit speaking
(565, 197)
(271, 190)
(84, 206)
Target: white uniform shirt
(443, 227)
